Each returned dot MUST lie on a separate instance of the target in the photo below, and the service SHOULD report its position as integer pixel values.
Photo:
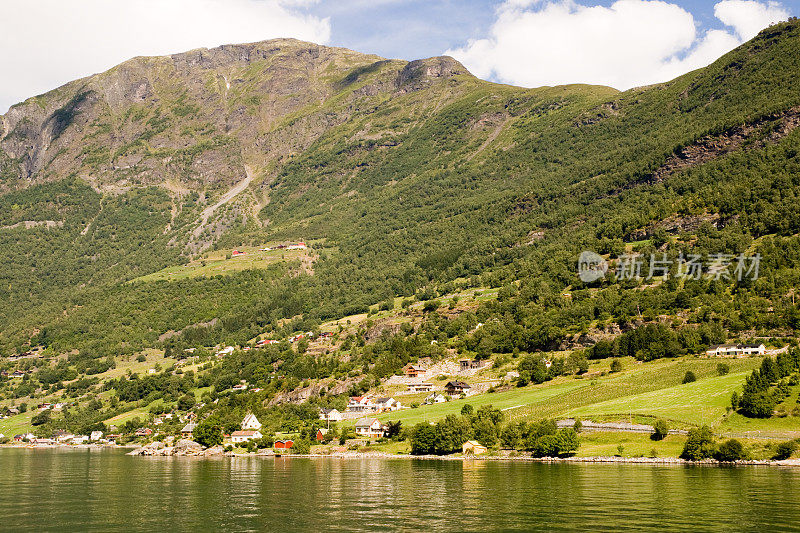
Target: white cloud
(45, 43)
(748, 17)
(630, 43)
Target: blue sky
(620, 43)
(413, 29)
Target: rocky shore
(188, 448)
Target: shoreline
(351, 455)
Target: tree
(185, 402)
(563, 442)
(699, 444)
(393, 429)
(208, 433)
(510, 436)
(729, 451)
(451, 433)
(723, 368)
(467, 409)
(485, 432)
(616, 365)
(423, 439)
(41, 418)
(689, 377)
(660, 430)
(758, 404)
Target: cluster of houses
(250, 431)
(14, 374)
(736, 350)
(368, 404)
(294, 246)
(64, 437)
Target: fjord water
(105, 490)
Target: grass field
(502, 400)
(702, 402)
(216, 264)
(142, 412)
(606, 444)
(17, 425)
(641, 390)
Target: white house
(96, 435)
(251, 422)
(244, 436)
(361, 404)
(331, 415)
(239, 388)
(225, 351)
(387, 404)
(435, 398)
(735, 350)
(753, 349)
(420, 387)
(370, 427)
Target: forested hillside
(408, 180)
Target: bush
(699, 444)
(785, 450)
(723, 368)
(563, 442)
(689, 377)
(660, 430)
(208, 433)
(616, 365)
(302, 447)
(729, 451)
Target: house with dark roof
(470, 364)
(456, 388)
(387, 404)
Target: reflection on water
(94, 490)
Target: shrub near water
(785, 450)
(729, 451)
(699, 444)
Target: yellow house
(473, 447)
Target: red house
(283, 444)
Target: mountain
(405, 178)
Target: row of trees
(447, 436)
(766, 386)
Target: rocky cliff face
(199, 117)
